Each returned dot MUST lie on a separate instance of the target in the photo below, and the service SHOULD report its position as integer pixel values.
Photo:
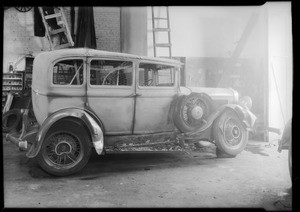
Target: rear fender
(91, 123)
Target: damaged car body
(84, 98)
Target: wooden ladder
(156, 29)
(60, 28)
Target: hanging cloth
(85, 35)
(39, 28)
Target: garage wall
(134, 30)
(19, 39)
(280, 64)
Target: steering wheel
(149, 82)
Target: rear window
(68, 72)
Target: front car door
(110, 89)
(156, 87)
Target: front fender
(245, 115)
(92, 125)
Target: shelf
(12, 78)
(20, 85)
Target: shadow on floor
(256, 149)
(103, 165)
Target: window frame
(156, 87)
(67, 85)
(110, 86)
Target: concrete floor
(256, 178)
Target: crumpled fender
(246, 116)
(92, 124)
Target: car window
(111, 72)
(156, 75)
(68, 72)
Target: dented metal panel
(94, 129)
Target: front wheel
(230, 135)
(65, 150)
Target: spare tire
(191, 112)
(12, 120)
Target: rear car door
(110, 89)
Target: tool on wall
(55, 24)
(159, 27)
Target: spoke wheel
(63, 150)
(23, 9)
(66, 149)
(230, 135)
(192, 112)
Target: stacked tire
(12, 121)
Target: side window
(156, 75)
(68, 72)
(111, 72)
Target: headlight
(246, 102)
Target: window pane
(68, 72)
(156, 75)
(109, 72)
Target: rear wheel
(65, 150)
(230, 135)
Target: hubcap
(197, 112)
(63, 147)
(235, 132)
(194, 112)
(232, 132)
(63, 150)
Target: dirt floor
(256, 178)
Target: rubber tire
(222, 148)
(17, 123)
(178, 116)
(84, 139)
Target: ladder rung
(55, 15)
(159, 18)
(161, 29)
(62, 46)
(56, 31)
(163, 44)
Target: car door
(110, 89)
(66, 85)
(156, 87)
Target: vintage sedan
(85, 98)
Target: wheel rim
(232, 132)
(63, 150)
(23, 9)
(194, 112)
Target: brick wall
(19, 39)
(107, 27)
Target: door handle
(134, 95)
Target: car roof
(69, 52)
